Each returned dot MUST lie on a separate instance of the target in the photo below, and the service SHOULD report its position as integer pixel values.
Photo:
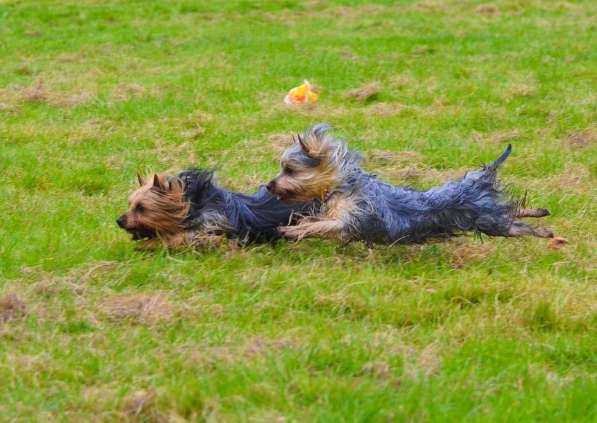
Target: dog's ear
(173, 183)
(156, 181)
(311, 145)
(303, 144)
(162, 183)
(140, 179)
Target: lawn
(474, 329)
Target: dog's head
(311, 167)
(158, 207)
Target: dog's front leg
(177, 241)
(323, 228)
(149, 244)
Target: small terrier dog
(186, 209)
(358, 206)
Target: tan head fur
(309, 170)
(156, 209)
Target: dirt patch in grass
(488, 10)
(582, 139)
(385, 109)
(365, 93)
(39, 93)
(141, 308)
(12, 307)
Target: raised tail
(502, 158)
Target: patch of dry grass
(583, 139)
(142, 308)
(364, 93)
(11, 307)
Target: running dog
(182, 210)
(356, 205)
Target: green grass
(467, 330)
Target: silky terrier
(358, 206)
(185, 209)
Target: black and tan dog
(185, 209)
(358, 206)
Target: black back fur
(248, 218)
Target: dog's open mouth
(287, 197)
(138, 235)
(279, 195)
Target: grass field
(467, 330)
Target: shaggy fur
(182, 210)
(358, 206)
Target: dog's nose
(271, 186)
(121, 221)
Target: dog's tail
(480, 201)
(502, 158)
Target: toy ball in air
(301, 95)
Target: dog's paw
(148, 245)
(290, 232)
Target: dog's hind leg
(530, 212)
(324, 228)
(519, 228)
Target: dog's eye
(288, 170)
(139, 208)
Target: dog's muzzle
(271, 187)
(121, 221)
